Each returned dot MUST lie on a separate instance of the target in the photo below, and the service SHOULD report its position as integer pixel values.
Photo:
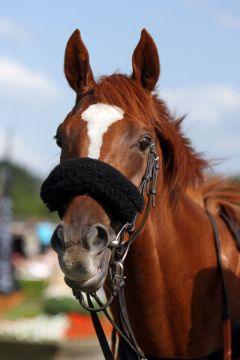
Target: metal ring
(80, 298)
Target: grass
(33, 306)
(26, 309)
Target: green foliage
(26, 309)
(33, 306)
(32, 288)
(56, 305)
(25, 188)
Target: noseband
(99, 180)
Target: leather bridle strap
(100, 333)
(232, 228)
(123, 332)
(226, 313)
(120, 248)
(124, 329)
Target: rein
(119, 248)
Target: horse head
(110, 130)
(106, 141)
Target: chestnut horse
(173, 287)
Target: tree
(25, 189)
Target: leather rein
(119, 249)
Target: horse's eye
(58, 139)
(144, 143)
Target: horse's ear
(145, 62)
(76, 64)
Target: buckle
(118, 277)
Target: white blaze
(99, 118)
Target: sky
(199, 48)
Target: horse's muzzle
(84, 262)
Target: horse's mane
(182, 165)
(222, 195)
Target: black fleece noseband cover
(86, 176)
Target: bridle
(128, 347)
(119, 249)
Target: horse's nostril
(102, 233)
(57, 239)
(97, 237)
(93, 238)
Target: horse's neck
(162, 271)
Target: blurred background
(199, 48)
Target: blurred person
(31, 239)
(7, 280)
(44, 231)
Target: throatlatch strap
(226, 314)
